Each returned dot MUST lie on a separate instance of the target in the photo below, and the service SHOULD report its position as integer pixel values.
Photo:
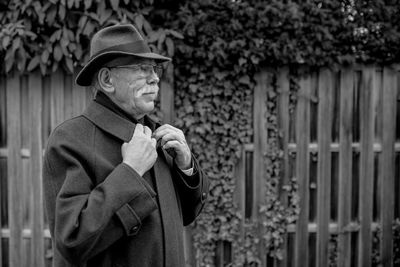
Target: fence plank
(57, 98)
(167, 95)
(367, 111)
(345, 166)
(78, 97)
(3, 124)
(283, 121)
(37, 242)
(68, 97)
(14, 164)
(260, 147)
(388, 164)
(303, 170)
(325, 109)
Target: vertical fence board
(3, 124)
(37, 241)
(325, 104)
(239, 193)
(68, 97)
(14, 164)
(57, 98)
(388, 165)
(283, 120)
(345, 166)
(78, 97)
(167, 95)
(367, 111)
(260, 146)
(303, 170)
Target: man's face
(136, 88)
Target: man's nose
(153, 78)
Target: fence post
(260, 148)
(303, 170)
(35, 96)
(325, 109)
(367, 115)
(345, 166)
(14, 163)
(388, 164)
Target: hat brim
(84, 77)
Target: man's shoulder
(75, 129)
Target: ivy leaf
(68, 62)
(104, 16)
(9, 60)
(161, 40)
(88, 4)
(70, 3)
(139, 21)
(6, 41)
(176, 34)
(61, 12)
(42, 68)
(114, 4)
(21, 59)
(16, 44)
(170, 46)
(51, 15)
(33, 63)
(242, 61)
(45, 56)
(58, 53)
(245, 80)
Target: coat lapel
(170, 215)
(109, 121)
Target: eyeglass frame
(157, 69)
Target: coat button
(134, 230)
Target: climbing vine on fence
(217, 47)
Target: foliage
(47, 34)
(217, 47)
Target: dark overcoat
(103, 213)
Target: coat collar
(109, 121)
(112, 123)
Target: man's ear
(105, 80)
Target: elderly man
(118, 186)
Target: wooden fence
(341, 142)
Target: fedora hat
(113, 42)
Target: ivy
(49, 34)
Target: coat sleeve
(192, 191)
(86, 218)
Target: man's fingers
(153, 142)
(138, 129)
(147, 131)
(172, 144)
(160, 133)
(171, 136)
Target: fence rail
(340, 138)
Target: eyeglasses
(145, 68)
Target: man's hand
(140, 153)
(173, 138)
